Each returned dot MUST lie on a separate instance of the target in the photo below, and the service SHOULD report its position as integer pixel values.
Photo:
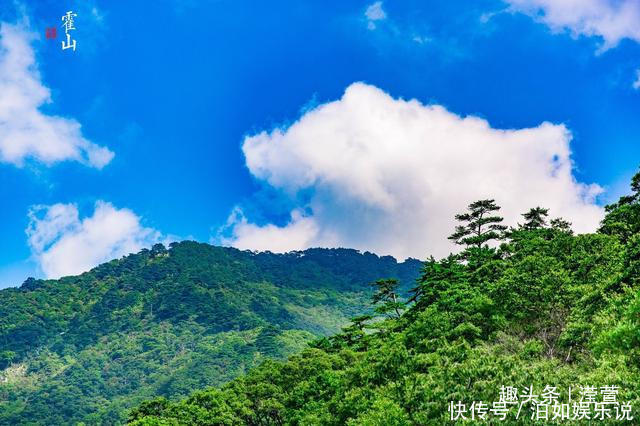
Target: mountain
(547, 322)
(166, 321)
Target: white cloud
(63, 244)
(636, 84)
(422, 39)
(613, 20)
(374, 13)
(26, 132)
(97, 15)
(300, 232)
(388, 175)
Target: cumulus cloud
(26, 132)
(376, 173)
(373, 14)
(613, 20)
(64, 244)
(300, 232)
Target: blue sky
(180, 93)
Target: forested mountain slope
(548, 323)
(167, 321)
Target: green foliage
(535, 218)
(387, 298)
(546, 308)
(164, 322)
(481, 226)
(5, 358)
(623, 217)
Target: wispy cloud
(92, 23)
(374, 13)
(612, 20)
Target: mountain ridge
(166, 320)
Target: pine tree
(536, 218)
(481, 226)
(559, 224)
(387, 297)
(355, 332)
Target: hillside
(167, 321)
(548, 323)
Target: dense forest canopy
(164, 322)
(535, 309)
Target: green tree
(267, 341)
(386, 297)
(5, 358)
(623, 218)
(535, 218)
(480, 225)
(559, 224)
(354, 334)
